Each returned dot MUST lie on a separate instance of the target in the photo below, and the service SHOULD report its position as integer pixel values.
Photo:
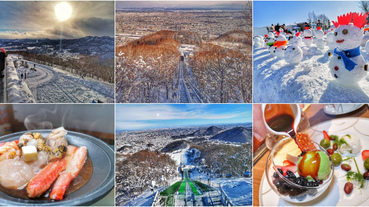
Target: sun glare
(63, 11)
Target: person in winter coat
(277, 27)
(3, 55)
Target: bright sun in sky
(158, 114)
(63, 11)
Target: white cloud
(127, 125)
(144, 112)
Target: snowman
(347, 64)
(270, 39)
(293, 54)
(281, 45)
(331, 44)
(258, 42)
(320, 43)
(296, 39)
(308, 36)
(272, 50)
(367, 47)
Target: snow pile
(17, 90)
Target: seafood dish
(37, 167)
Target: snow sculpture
(320, 43)
(330, 42)
(296, 40)
(270, 39)
(293, 54)
(367, 47)
(308, 37)
(347, 64)
(272, 50)
(258, 42)
(281, 45)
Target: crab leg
(45, 178)
(73, 168)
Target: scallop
(56, 138)
(15, 174)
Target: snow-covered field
(51, 85)
(309, 81)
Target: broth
(82, 178)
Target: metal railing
(226, 201)
(5, 81)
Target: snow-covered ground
(51, 85)
(145, 199)
(309, 81)
(239, 191)
(17, 90)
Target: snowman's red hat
(358, 19)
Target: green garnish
(350, 176)
(333, 137)
(340, 142)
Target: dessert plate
(339, 109)
(334, 196)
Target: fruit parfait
(299, 170)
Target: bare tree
(248, 11)
(364, 6)
(311, 17)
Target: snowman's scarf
(346, 55)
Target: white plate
(334, 196)
(339, 109)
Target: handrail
(226, 200)
(5, 81)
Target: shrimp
(10, 150)
(45, 178)
(73, 168)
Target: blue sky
(289, 12)
(151, 116)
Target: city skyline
(180, 4)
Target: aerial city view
(183, 52)
(57, 52)
(183, 155)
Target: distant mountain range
(89, 45)
(206, 132)
(236, 135)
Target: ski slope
(51, 85)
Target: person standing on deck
(3, 55)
